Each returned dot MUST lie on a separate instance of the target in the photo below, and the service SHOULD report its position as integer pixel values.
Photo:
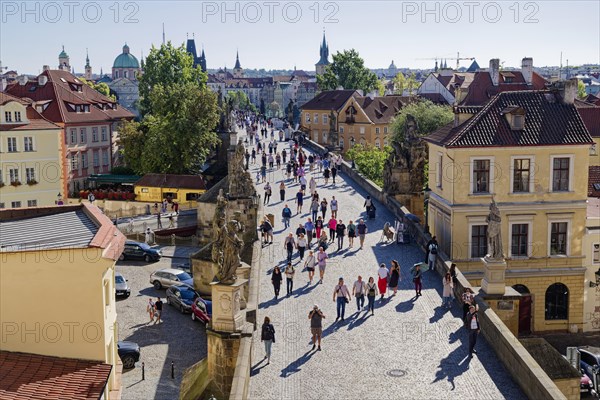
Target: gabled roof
(591, 119)
(330, 100)
(381, 110)
(31, 376)
(7, 98)
(36, 121)
(590, 98)
(547, 122)
(481, 89)
(173, 181)
(473, 67)
(59, 90)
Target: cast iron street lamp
(426, 193)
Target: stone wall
(534, 382)
(194, 381)
(222, 360)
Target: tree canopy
(369, 161)
(99, 87)
(429, 118)
(241, 101)
(402, 83)
(180, 113)
(348, 71)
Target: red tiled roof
(5, 98)
(593, 178)
(436, 98)
(381, 110)
(481, 90)
(590, 98)
(173, 181)
(31, 376)
(591, 119)
(36, 121)
(547, 122)
(330, 100)
(60, 93)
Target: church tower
(324, 57)
(238, 71)
(88, 67)
(203, 60)
(63, 61)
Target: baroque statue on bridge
(231, 251)
(494, 234)
(240, 181)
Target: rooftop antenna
(163, 33)
(560, 67)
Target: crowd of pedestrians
(299, 175)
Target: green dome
(63, 53)
(126, 60)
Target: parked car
(139, 251)
(121, 285)
(129, 353)
(202, 310)
(586, 385)
(181, 297)
(590, 362)
(170, 277)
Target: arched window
(116, 74)
(316, 136)
(557, 302)
(125, 74)
(521, 289)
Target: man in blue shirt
(286, 214)
(309, 227)
(299, 201)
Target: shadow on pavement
(295, 365)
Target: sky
(275, 34)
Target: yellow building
(31, 172)
(57, 295)
(367, 120)
(179, 188)
(591, 248)
(526, 150)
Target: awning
(113, 179)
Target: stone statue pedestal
(227, 315)
(243, 272)
(493, 281)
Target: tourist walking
(284, 156)
(448, 286)
(394, 276)
(472, 325)
(332, 224)
(309, 264)
(282, 191)
(368, 203)
(319, 227)
(316, 317)
(333, 173)
(300, 230)
(382, 283)
(314, 208)
(362, 230)
(289, 244)
(341, 295)
(276, 279)
(431, 241)
(286, 214)
(358, 291)
(278, 160)
(271, 158)
(417, 275)
(468, 299)
(333, 204)
(340, 231)
(312, 185)
(326, 173)
(323, 207)
(432, 250)
(289, 277)
(150, 309)
(453, 274)
(267, 193)
(267, 229)
(158, 305)
(322, 262)
(299, 201)
(309, 227)
(158, 221)
(372, 291)
(351, 234)
(302, 243)
(267, 336)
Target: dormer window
(518, 122)
(515, 116)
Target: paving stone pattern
(411, 348)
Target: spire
(324, 51)
(237, 61)
(87, 58)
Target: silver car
(164, 278)
(121, 285)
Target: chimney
(527, 69)
(42, 80)
(495, 71)
(569, 91)
(22, 79)
(46, 68)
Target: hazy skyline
(284, 34)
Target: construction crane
(458, 59)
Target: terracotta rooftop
(381, 110)
(31, 376)
(548, 121)
(61, 90)
(481, 89)
(173, 181)
(594, 181)
(330, 100)
(36, 120)
(591, 119)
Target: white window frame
(30, 174)
(341, 129)
(73, 135)
(307, 118)
(94, 134)
(473, 221)
(8, 116)
(557, 219)
(492, 175)
(11, 142)
(105, 158)
(74, 162)
(439, 170)
(95, 158)
(378, 143)
(362, 130)
(83, 135)
(385, 129)
(84, 160)
(25, 147)
(325, 119)
(342, 142)
(531, 173)
(13, 175)
(104, 133)
(594, 246)
(324, 137)
(15, 204)
(518, 220)
(571, 170)
(18, 116)
(31, 203)
(377, 130)
(316, 118)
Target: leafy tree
(166, 66)
(241, 101)
(348, 70)
(369, 161)
(581, 93)
(402, 83)
(428, 116)
(99, 87)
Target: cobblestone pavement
(410, 349)
(177, 339)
